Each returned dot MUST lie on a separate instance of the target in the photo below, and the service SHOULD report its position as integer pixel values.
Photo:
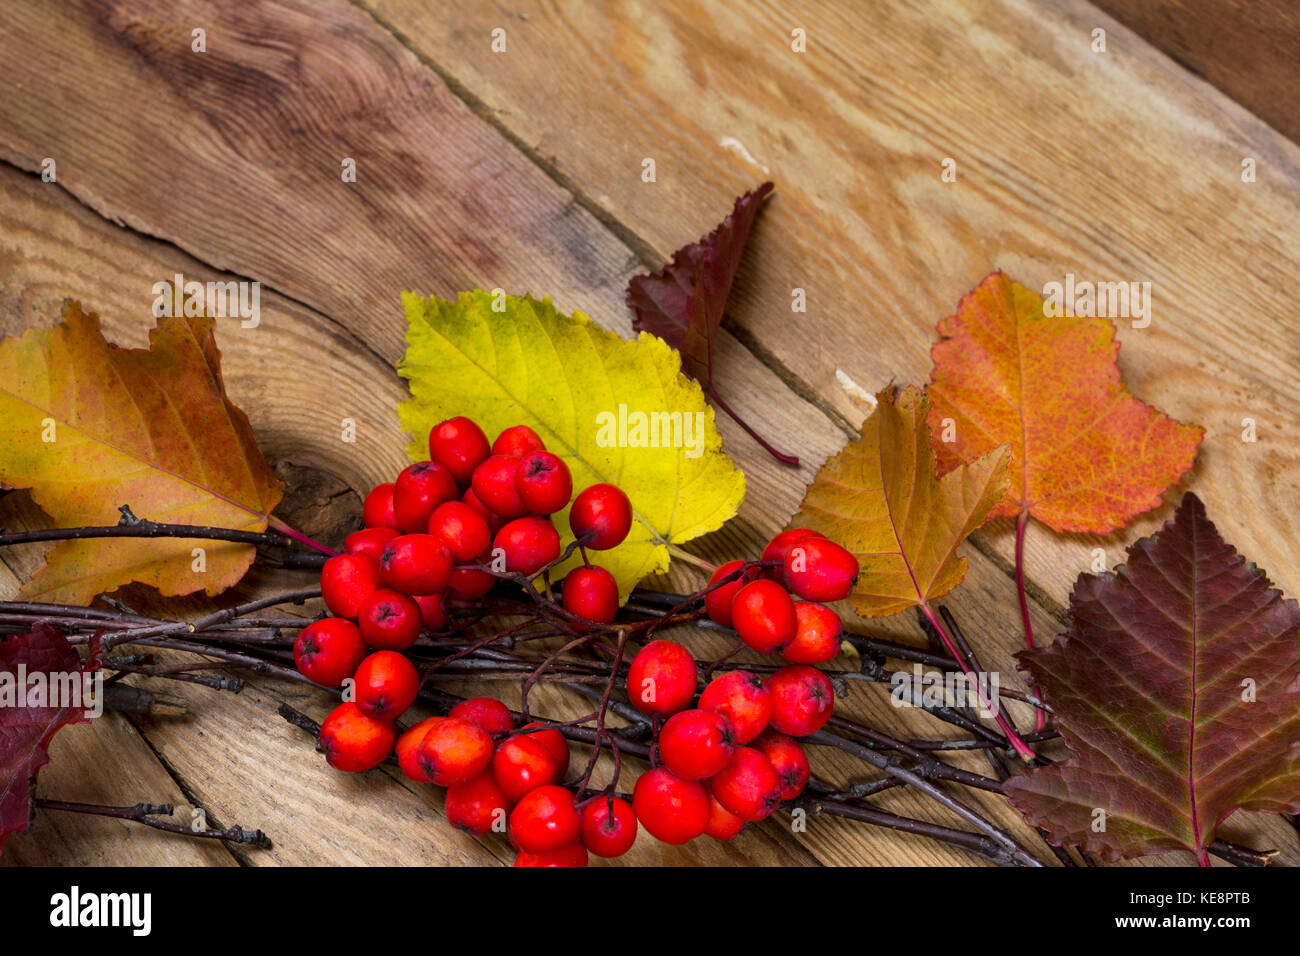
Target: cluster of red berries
(732, 758)
(445, 529)
(507, 781)
(757, 602)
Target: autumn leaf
(1085, 454)
(28, 722)
(89, 426)
(1177, 690)
(580, 388)
(684, 303)
(880, 498)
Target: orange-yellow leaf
(89, 426)
(880, 498)
(1085, 454)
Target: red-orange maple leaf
(1085, 454)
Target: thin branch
(145, 813)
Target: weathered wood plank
(444, 201)
(1247, 48)
(1114, 166)
(51, 248)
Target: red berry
(543, 482)
(463, 530)
(521, 764)
(354, 741)
(377, 511)
(780, 546)
(387, 683)
(608, 826)
(717, 603)
(743, 699)
(671, 809)
(408, 749)
(555, 745)
(748, 786)
(478, 805)
(494, 486)
(469, 584)
(544, 819)
(591, 593)
(488, 712)
(820, 570)
(529, 544)
(817, 638)
(787, 759)
(433, 611)
(494, 520)
(601, 517)
(454, 751)
(723, 824)
(695, 744)
(460, 446)
(369, 541)
(575, 854)
(802, 700)
(390, 620)
(416, 564)
(421, 488)
(346, 580)
(661, 680)
(329, 650)
(763, 615)
(517, 441)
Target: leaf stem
(1022, 523)
(1021, 748)
(689, 558)
(782, 458)
(301, 538)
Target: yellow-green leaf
(565, 377)
(879, 498)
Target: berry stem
(1021, 748)
(782, 458)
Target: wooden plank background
(522, 170)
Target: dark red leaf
(26, 731)
(1177, 689)
(684, 303)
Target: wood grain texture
(223, 749)
(1114, 166)
(1247, 48)
(524, 173)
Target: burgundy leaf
(26, 731)
(684, 303)
(1177, 690)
